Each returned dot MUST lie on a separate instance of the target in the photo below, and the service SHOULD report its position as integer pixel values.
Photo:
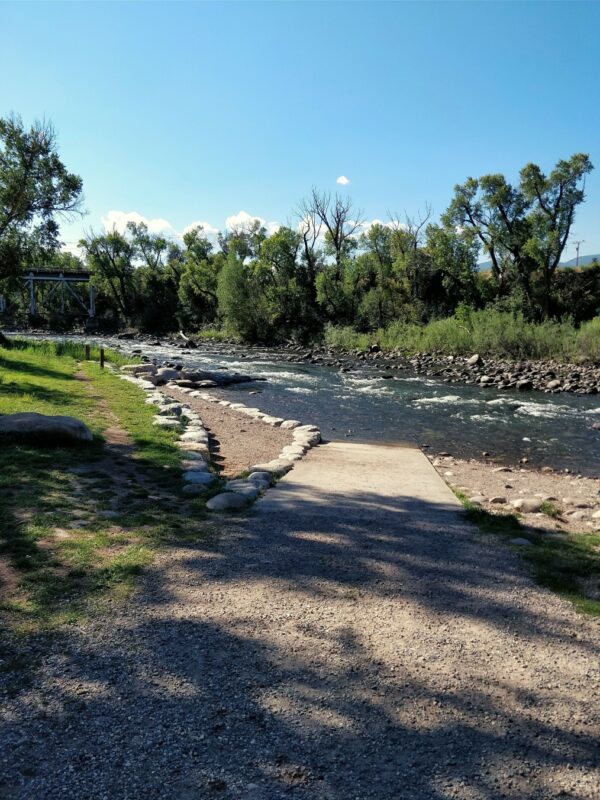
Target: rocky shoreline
(546, 376)
(550, 501)
(550, 376)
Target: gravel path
(237, 441)
(350, 638)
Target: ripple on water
(488, 418)
(547, 410)
(446, 400)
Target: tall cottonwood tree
(36, 189)
(523, 228)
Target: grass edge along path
(76, 523)
(568, 565)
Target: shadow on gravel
(176, 705)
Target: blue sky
(187, 112)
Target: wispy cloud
(209, 231)
(244, 220)
(117, 220)
(343, 180)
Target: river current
(554, 430)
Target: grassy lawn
(78, 524)
(569, 565)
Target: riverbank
(580, 376)
(544, 499)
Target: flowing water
(362, 406)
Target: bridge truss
(45, 284)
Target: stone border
(194, 440)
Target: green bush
(489, 332)
(588, 340)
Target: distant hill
(583, 260)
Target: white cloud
(117, 220)
(243, 220)
(343, 180)
(366, 226)
(73, 248)
(209, 231)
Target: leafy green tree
(552, 200)
(242, 305)
(453, 257)
(523, 228)
(111, 261)
(35, 189)
(198, 301)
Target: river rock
(474, 360)
(194, 436)
(246, 488)
(140, 369)
(498, 500)
(193, 464)
(306, 438)
(259, 477)
(524, 385)
(166, 374)
(40, 429)
(170, 409)
(527, 505)
(477, 499)
(290, 424)
(275, 467)
(166, 422)
(227, 501)
(274, 422)
(521, 542)
(555, 384)
(199, 477)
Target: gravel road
(351, 637)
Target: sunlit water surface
(362, 406)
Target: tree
(198, 302)
(110, 258)
(553, 200)
(339, 219)
(35, 189)
(524, 228)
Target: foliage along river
(554, 430)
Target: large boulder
(227, 501)
(167, 374)
(42, 429)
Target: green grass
(488, 332)
(65, 555)
(216, 333)
(549, 509)
(569, 566)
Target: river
(554, 430)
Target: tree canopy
(36, 189)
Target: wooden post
(87, 352)
(101, 358)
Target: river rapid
(361, 405)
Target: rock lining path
(351, 637)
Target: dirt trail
(237, 441)
(351, 638)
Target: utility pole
(577, 245)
